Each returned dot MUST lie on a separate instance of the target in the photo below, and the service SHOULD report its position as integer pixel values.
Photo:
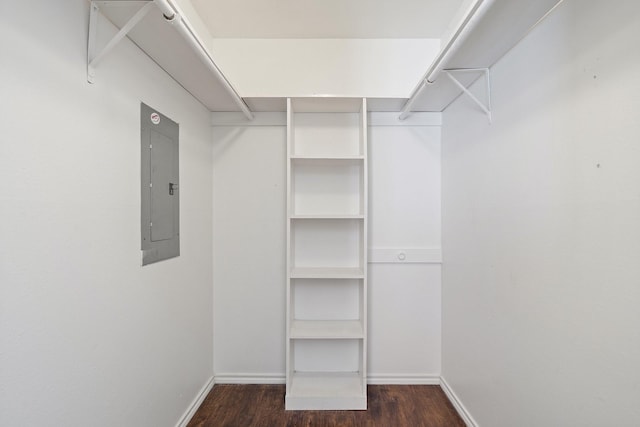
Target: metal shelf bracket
(93, 57)
(484, 106)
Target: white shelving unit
(326, 254)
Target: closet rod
(471, 19)
(173, 18)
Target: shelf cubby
(327, 243)
(327, 391)
(327, 186)
(327, 374)
(326, 308)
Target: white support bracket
(485, 107)
(92, 57)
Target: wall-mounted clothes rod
(474, 14)
(172, 17)
(175, 19)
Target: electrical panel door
(160, 222)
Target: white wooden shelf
(327, 390)
(328, 216)
(327, 329)
(312, 158)
(327, 273)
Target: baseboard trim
(204, 391)
(455, 401)
(403, 379)
(377, 379)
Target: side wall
(249, 219)
(541, 230)
(87, 335)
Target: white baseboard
(455, 401)
(376, 379)
(196, 403)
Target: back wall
(249, 229)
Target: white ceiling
(327, 18)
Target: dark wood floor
(389, 406)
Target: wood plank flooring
(389, 406)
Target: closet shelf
(328, 216)
(326, 329)
(502, 26)
(321, 158)
(327, 273)
(165, 43)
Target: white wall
(541, 236)
(249, 231)
(249, 220)
(87, 335)
(404, 214)
(383, 68)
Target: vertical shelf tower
(326, 254)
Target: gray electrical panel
(160, 219)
